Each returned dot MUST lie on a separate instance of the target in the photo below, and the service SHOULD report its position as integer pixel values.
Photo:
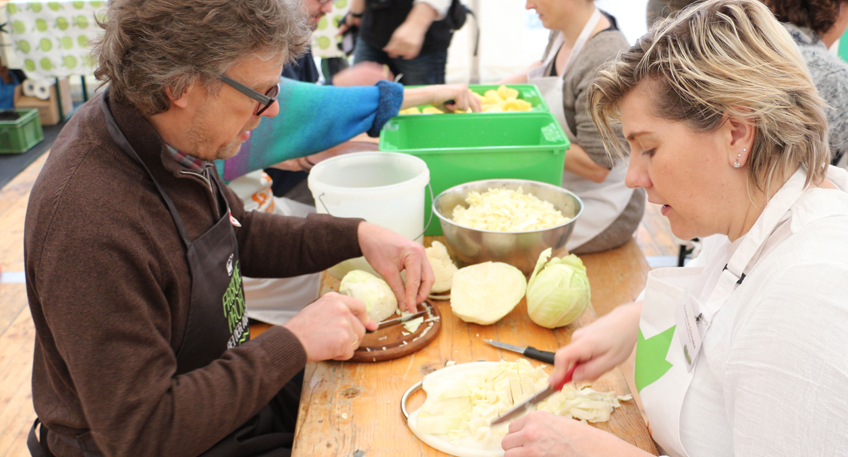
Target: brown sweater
(109, 285)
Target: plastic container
(381, 187)
(20, 135)
(527, 92)
(459, 149)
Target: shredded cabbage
(460, 409)
(507, 210)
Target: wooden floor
(17, 333)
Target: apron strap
(581, 40)
(122, 142)
(752, 244)
(38, 448)
(37, 444)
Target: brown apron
(213, 261)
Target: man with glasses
(135, 249)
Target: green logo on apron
(650, 357)
(233, 301)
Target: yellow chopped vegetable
(413, 110)
(431, 110)
(493, 101)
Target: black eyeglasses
(265, 101)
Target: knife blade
(529, 351)
(399, 320)
(536, 398)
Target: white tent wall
(511, 37)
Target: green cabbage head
(558, 292)
(380, 301)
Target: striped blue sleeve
(313, 118)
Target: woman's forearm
(577, 161)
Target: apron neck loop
(584, 36)
(752, 243)
(124, 144)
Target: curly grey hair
(151, 47)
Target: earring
(737, 164)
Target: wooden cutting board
(395, 341)
(391, 338)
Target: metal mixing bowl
(519, 249)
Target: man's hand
(349, 23)
(408, 38)
(362, 74)
(390, 253)
(331, 328)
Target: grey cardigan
(604, 46)
(830, 75)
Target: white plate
(467, 447)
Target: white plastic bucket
(384, 188)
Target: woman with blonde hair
(742, 352)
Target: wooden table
(353, 409)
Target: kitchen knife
(529, 351)
(399, 320)
(526, 404)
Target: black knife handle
(544, 356)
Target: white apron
(274, 300)
(602, 202)
(662, 377)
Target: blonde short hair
(720, 59)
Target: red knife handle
(567, 378)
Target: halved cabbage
(558, 292)
(486, 292)
(380, 301)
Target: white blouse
(772, 379)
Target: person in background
(582, 38)
(316, 122)
(135, 249)
(410, 36)
(289, 180)
(743, 351)
(815, 26)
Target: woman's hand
(461, 95)
(541, 433)
(438, 95)
(600, 346)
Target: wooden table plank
(350, 407)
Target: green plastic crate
(459, 149)
(20, 135)
(526, 92)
